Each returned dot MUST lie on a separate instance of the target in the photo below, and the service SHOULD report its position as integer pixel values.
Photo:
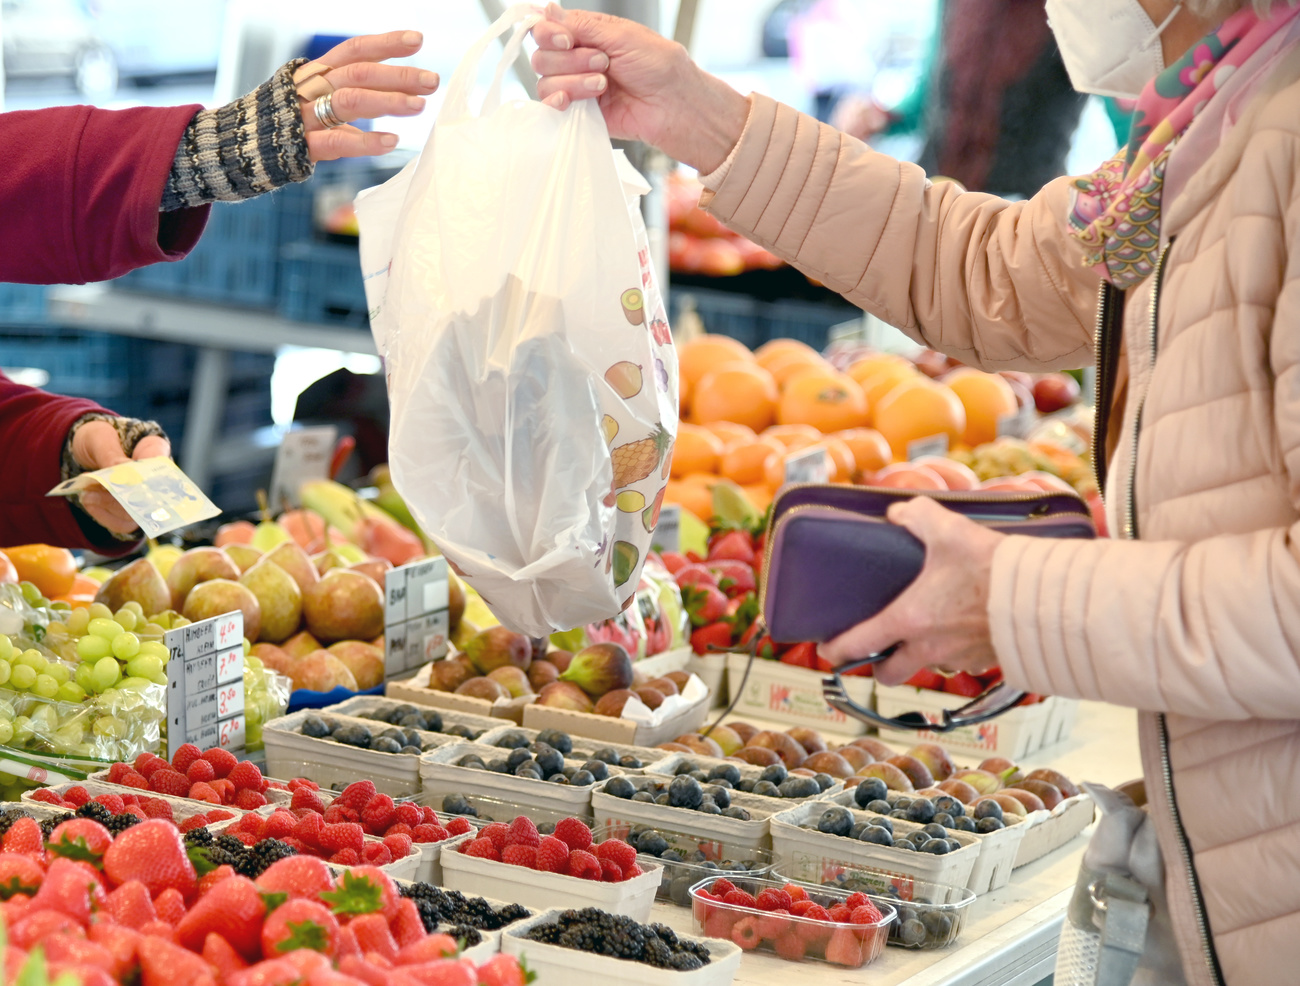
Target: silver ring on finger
(324, 107)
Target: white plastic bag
(531, 373)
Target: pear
(279, 597)
(344, 605)
(374, 567)
(164, 557)
(219, 596)
(268, 535)
(301, 644)
(365, 661)
(245, 556)
(199, 565)
(463, 634)
(296, 562)
(137, 582)
(321, 671)
(455, 601)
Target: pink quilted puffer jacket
(1197, 624)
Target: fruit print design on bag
(633, 305)
(625, 377)
(637, 460)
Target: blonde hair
(1217, 10)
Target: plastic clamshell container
(556, 966)
(416, 690)
(678, 878)
(940, 909)
(369, 706)
(668, 768)
(1014, 734)
(809, 856)
(1051, 830)
(538, 890)
(719, 829)
(327, 762)
(182, 808)
(998, 849)
(778, 692)
(849, 946)
(439, 775)
(584, 747)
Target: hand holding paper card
(156, 494)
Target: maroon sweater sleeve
(80, 191)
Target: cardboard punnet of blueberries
(546, 759)
(402, 735)
(711, 791)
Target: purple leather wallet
(834, 560)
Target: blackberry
(231, 844)
(7, 818)
(592, 930)
(92, 810)
(198, 837)
(259, 857)
(48, 825)
(658, 954)
(687, 962)
(467, 936)
(429, 915)
(120, 823)
(221, 857)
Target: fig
(1011, 805)
(665, 685)
(449, 674)
(828, 763)
(894, 778)
(651, 698)
(560, 658)
(512, 680)
(599, 668)
(700, 744)
(541, 674)
(960, 790)
(879, 750)
(564, 695)
(1063, 783)
(809, 739)
(1049, 794)
(981, 780)
(1032, 802)
(759, 756)
(611, 703)
(791, 753)
(679, 678)
(484, 688)
(936, 759)
(1004, 769)
(856, 756)
(497, 647)
(917, 772)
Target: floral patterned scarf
(1115, 213)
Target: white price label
(1017, 425)
(811, 465)
(922, 447)
(304, 455)
(205, 684)
(415, 590)
(668, 532)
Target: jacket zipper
(1166, 768)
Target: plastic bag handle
(521, 17)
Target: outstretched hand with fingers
(97, 445)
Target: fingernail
(412, 38)
(596, 83)
(599, 62)
(415, 102)
(429, 80)
(388, 140)
(561, 41)
(555, 100)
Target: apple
(936, 758)
(1054, 392)
(727, 738)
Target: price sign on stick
(668, 532)
(205, 684)
(922, 447)
(304, 455)
(416, 616)
(812, 465)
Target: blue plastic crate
(22, 303)
(754, 322)
(322, 283)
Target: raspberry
(610, 871)
(249, 800)
(156, 808)
(868, 913)
(815, 913)
(840, 914)
(153, 766)
(552, 855)
(249, 823)
(459, 826)
(171, 783)
(399, 845)
(721, 888)
(77, 795)
(309, 799)
(143, 759)
(117, 772)
(584, 865)
(129, 800)
(336, 813)
(204, 792)
(790, 946)
(297, 845)
(377, 854)
(800, 908)
(346, 857)
(796, 892)
(113, 802)
(774, 924)
(428, 816)
(218, 815)
(520, 856)
(46, 795)
(856, 900)
(194, 822)
(497, 832)
(739, 898)
(399, 828)
(185, 756)
(223, 761)
(573, 833)
(745, 933)
(772, 899)
(246, 776)
(309, 829)
(279, 824)
(523, 832)
(357, 795)
(225, 790)
(136, 780)
(481, 848)
(617, 852)
(409, 814)
(633, 871)
(298, 782)
(247, 838)
(429, 833)
(334, 838)
(378, 814)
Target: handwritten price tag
(232, 734)
(205, 683)
(230, 700)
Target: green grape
(110, 726)
(150, 631)
(180, 621)
(70, 691)
(45, 719)
(23, 732)
(84, 676)
(92, 648)
(108, 629)
(134, 607)
(135, 684)
(163, 619)
(6, 731)
(157, 649)
(160, 678)
(145, 666)
(59, 672)
(57, 628)
(6, 648)
(106, 673)
(98, 611)
(248, 647)
(59, 606)
(6, 669)
(33, 659)
(31, 593)
(78, 620)
(23, 677)
(252, 663)
(126, 619)
(126, 646)
(70, 734)
(45, 686)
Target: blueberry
(386, 744)
(414, 751)
(583, 778)
(944, 819)
(880, 807)
(432, 721)
(767, 789)
(911, 932)
(464, 732)
(898, 813)
(938, 847)
(403, 710)
(412, 722)
(799, 787)
(455, 804)
(548, 758)
(709, 808)
(700, 775)
(876, 835)
(556, 740)
(735, 811)
(938, 924)
(746, 784)
(918, 837)
(315, 727)
(858, 829)
(899, 801)
(393, 733)
(725, 772)
(685, 792)
(597, 768)
(835, 821)
(645, 797)
(569, 770)
(672, 856)
(472, 760)
(652, 844)
(557, 779)
(884, 822)
(823, 781)
(720, 795)
(607, 755)
(904, 844)
(356, 735)
(775, 773)
(953, 845)
(949, 805)
(964, 824)
(989, 824)
(685, 767)
(661, 799)
(935, 831)
(513, 740)
(630, 762)
(698, 856)
(517, 756)
(988, 808)
(620, 787)
(921, 810)
(723, 783)
(411, 737)
(529, 771)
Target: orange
(828, 403)
(880, 384)
(705, 353)
(692, 493)
(743, 462)
(773, 347)
(743, 393)
(793, 436)
(683, 397)
(759, 495)
(786, 363)
(844, 466)
(730, 432)
(920, 410)
(987, 398)
(52, 570)
(869, 448)
(697, 450)
(864, 368)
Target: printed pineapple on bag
(531, 370)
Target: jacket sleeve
(81, 189)
(34, 425)
(994, 283)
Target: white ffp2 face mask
(1110, 47)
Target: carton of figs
(416, 690)
(638, 726)
(1014, 734)
(1051, 830)
(778, 692)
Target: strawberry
(428, 948)
(373, 935)
(68, 888)
(497, 832)
(429, 833)
(223, 761)
(80, 838)
(706, 604)
(963, 683)
(39, 924)
(504, 970)
(219, 954)
(735, 578)
(309, 799)
(346, 943)
(209, 880)
(170, 783)
(65, 949)
(745, 933)
(19, 874)
(459, 826)
(523, 832)
(845, 949)
(130, 905)
(407, 927)
(927, 678)
(201, 772)
(791, 946)
(721, 888)
(297, 877)
(120, 943)
(694, 575)
(584, 865)
(335, 838)
(153, 853)
(552, 855)
(673, 561)
(246, 777)
(299, 924)
(249, 800)
(738, 898)
(233, 909)
(398, 844)
(24, 836)
(618, 852)
(170, 905)
(356, 893)
(164, 963)
(771, 899)
(735, 545)
(803, 655)
(160, 928)
(574, 833)
(185, 756)
(357, 795)
(714, 637)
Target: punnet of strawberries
(795, 924)
(145, 907)
(569, 852)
